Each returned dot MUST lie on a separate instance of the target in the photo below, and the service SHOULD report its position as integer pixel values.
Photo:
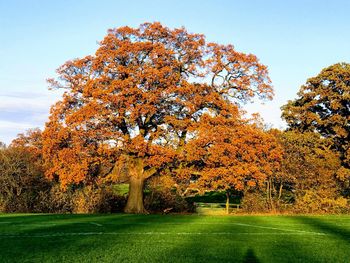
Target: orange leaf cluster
(158, 94)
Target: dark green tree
(323, 106)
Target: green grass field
(173, 238)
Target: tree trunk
(134, 204)
(227, 203)
(268, 193)
(134, 168)
(280, 192)
(270, 196)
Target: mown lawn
(173, 238)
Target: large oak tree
(129, 111)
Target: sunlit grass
(173, 238)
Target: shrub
(93, 199)
(58, 200)
(320, 202)
(21, 180)
(162, 195)
(254, 202)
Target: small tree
(231, 156)
(309, 166)
(22, 180)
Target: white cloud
(10, 129)
(20, 111)
(16, 104)
(14, 126)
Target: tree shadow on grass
(32, 238)
(242, 239)
(84, 238)
(318, 240)
(155, 238)
(325, 227)
(208, 240)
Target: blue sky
(295, 39)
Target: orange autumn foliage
(229, 155)
(142, 103)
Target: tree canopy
(145, 94)
(233, 156)
(323, 106)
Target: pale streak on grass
(95, 224)
(179, 223)
(36, 224)
(281, 229)
(158, 233)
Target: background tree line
(162, 110)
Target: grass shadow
(250, 257)
(102, 238)
(323, 226)
(250, 239)
(171, 238)
(35, 239)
